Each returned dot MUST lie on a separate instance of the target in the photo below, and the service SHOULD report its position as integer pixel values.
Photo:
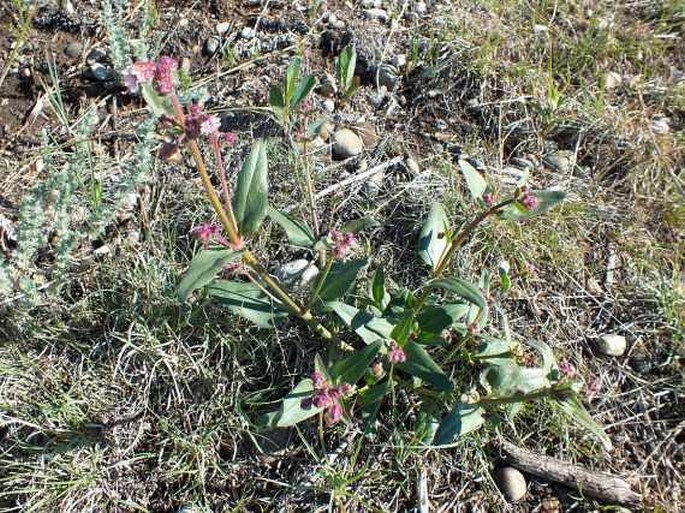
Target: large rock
(511, 483)
(346, 143)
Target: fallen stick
(600, 485)
(359, 177)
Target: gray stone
(101, 73)
(329, 105)
(420, 8)
(377, 15)
(399, 60)
(346, 143)
(247, 33)
(298, 273)
(612, 344)
(73, 50)
(223, 27)
(96, 55)
(388, 75)
(211, 45)
(412, 165)
(511, 483)
(560, 160)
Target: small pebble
(95, 55)
(223, 27)
(346, 143)
(612, 80)
(399, 60)
(211, 45)
(377, 15)
(247, 33)
(412, 165)
(329, 105)
(511, 483)
(420, 8)
(100, 72)
(612, 344)
(73, 50)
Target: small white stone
(612, 80)
(660, 126)
(420, 8)
(511, 483)
(247, 33)
(103, 250)
(308, 276)
(412, 165)
(377, 15)
(329, 105)
(612, 344)
(399, 60)
(346, 143)
(223, 27)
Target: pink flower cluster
(342, 243)
(567, 369)
(207, 233)
(144, 72)
(198, 123)
(328, 397)
(530, 201)
(396, 354)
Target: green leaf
(504, 276)
(292, 76)
(434, 319)
(298, 233)
(276, 100)
(352, 368)
(204, 266)
(511, 381)
(404, 327)
(474, 181)
(359, 225)
(340, 279)
(370, 402)
(250, 201)
(292, 410)
(159, 105)
(463, 419)
(420, 364)
(378, 292)
(369, 328)
(492, 347)
(573, 408)
(461, 288)
(549, 362)
(345, 65)
(246, 300)
(433, 238)
(547, 199)
(304, 87)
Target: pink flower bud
(567, 369)
(206, 232)
(396, 354)
(230, 138)
(342, 243)
(333, 414)
(318, 379)
(530, 201)
(164, 74)
(489, 200)
(210, 126)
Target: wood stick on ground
(600, 485)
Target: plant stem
(321, 281)
(224, 182)
(226, 220)
(303, 313)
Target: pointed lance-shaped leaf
(250, 200)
